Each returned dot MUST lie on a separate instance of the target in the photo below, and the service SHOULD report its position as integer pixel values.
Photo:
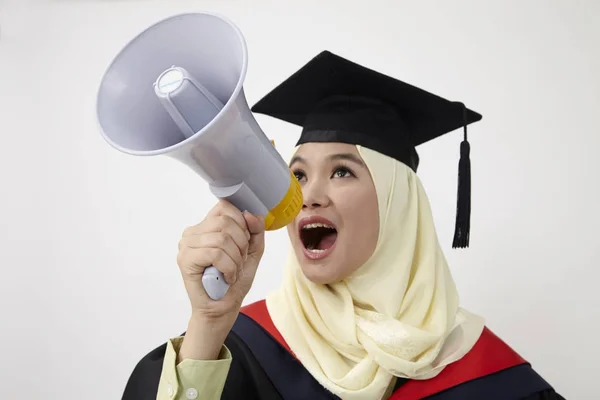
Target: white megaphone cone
(177, 90)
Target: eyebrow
(334, 157)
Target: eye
(342, 172)
(299, 175)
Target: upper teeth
(317, 225)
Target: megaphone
(176, 89)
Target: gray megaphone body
(176, 89)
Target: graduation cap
(336, 100)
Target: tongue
(327, 241)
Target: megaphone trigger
(214, 283)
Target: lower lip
(318, 255)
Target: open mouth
(318, 237)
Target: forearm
(204, 338)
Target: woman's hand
(233, 242)
(229, 240)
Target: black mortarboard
(336, 100)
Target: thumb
(256, 224)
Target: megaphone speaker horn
(176, 89)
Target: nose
(315, 195)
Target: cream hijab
(397, 315)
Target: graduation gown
(263, 368)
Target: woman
(367, 308)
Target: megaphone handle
(214, 283)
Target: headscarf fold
(397, 315)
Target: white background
(88, 236)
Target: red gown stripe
(489, 355)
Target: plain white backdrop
(88, 236)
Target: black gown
(262, 368)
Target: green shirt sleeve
(192, 379)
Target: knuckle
(230, 227)
(228, 220)
(189, 230)
(181, 256)
(217, 207)
(222, 239)
(182, 243)
(246, 244)
(222, 260)
(226, 206)
(215, 255)
(231, 274)
(221, 222)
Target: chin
(320, 274)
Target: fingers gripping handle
(214, 283)
(244, 199)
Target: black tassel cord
(463, 206)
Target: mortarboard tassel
(463, 206)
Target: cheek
(361, 217)
(291, 230)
